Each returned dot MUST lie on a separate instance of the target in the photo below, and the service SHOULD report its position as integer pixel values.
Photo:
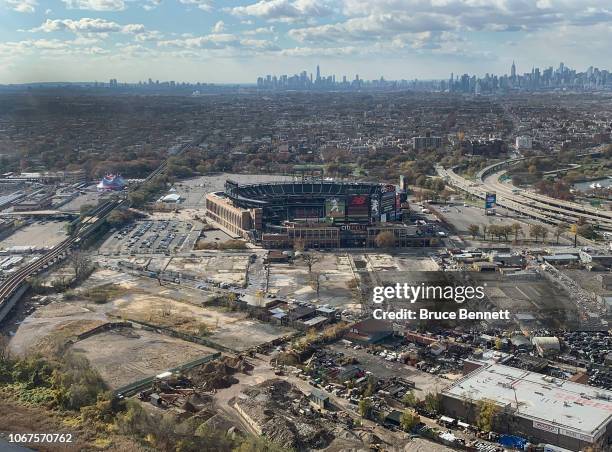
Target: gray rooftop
(573, 408)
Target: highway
(543, 208)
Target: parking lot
(40, 234)
(152, 237)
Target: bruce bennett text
(427, 314)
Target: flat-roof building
(535, 406)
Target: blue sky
(235, 41)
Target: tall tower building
(513, 71)
(318, 73)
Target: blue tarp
(516, 442)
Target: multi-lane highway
(543, 208)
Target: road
(542, 208)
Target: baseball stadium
(318, 213)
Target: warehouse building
(540, 408)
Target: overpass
(547, 210)
(544, 208)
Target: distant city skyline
(237, 40)
(537, 78)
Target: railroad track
(11, 285)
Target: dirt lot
(230, 329)
(132, 354)
(230, 268)
(292, 281)
(54, 324)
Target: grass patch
(99, 295)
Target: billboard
(490, 200)
(335, 208)
(375, 205)
(358, 206)
(387, 202)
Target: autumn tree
(385, 239)
(487, 412)
(365, 405)
(474, 229)
(409, 419)
(409, 399)
(517, 230)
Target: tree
(484, 231)
(81, 264)
(371, 387)
(505, 231)
(587, 231)
(364, 407)
(487, 411)
(473, 229)
(537, 230)
(543, 233)
(385, 239)
(432, 402)
(409, 420)
(560, 229)
(517, 230)
(409, 399)
(310, 259)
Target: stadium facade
(321, 214)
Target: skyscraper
(513, 71)
(318, 73)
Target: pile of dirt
(219, 374)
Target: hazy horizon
(237, 41)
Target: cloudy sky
(237, 40)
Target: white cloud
(259, 31)
(22, 6)
(284, 10)
(366, 20)
(151, 5)
(218, 27)
(87, 25)
(204, 5)
(220, 41)
(96, 5)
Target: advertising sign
(546, 427)
(387, 202)
(358, 207)
(490, 200)
(334, 208)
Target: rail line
(84, 228)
